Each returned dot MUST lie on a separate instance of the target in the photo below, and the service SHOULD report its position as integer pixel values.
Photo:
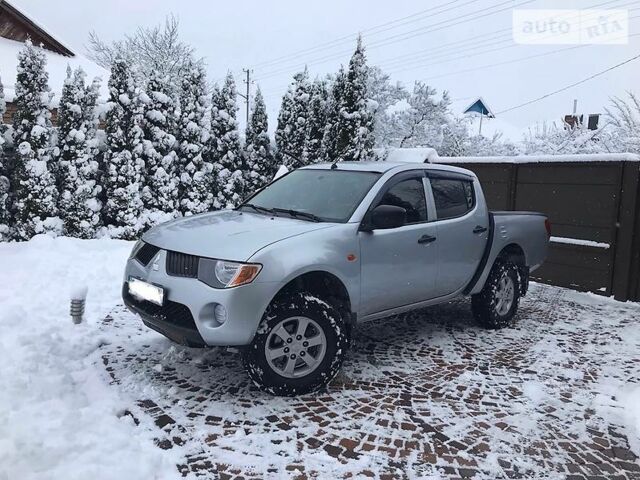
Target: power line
(349, 38)
(569, 86)
(417, 56)
(444, 51)
(451, 59)
(516, 60)
(404, 36)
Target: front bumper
(245, 306)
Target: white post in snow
(78, 298)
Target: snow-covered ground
(58, 416)
(426, 393)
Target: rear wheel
(299, 347)
(495, 306)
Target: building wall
(11, 110)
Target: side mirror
(387, 216)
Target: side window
(453, 198)
(408, 194)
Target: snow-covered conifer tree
(293, 121)
(330, 146)
(78, 204)
(316, 123)
(36, 195)
(261, 166)
(4, 174)
(197, 187)
(355, 123)
(225, 144)
(123, 178)
(161, 160)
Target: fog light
(220, 313)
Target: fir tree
(316, 123)
(330, 143)
(123, 160)
(197, 189)
(161, 160)
(4, 178)
(293, 122)
(78, 206)
(261, 165)
(36, 194)
(355, 121)
(225, 144)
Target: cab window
(453, 198)
(408, 194)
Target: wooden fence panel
(595, 201)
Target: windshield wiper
(297, 213)
(258, 208)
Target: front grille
(171, 312)
(182, 265)
(146, 253)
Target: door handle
(479, 229)
(426, 239)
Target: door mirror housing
(387, 216)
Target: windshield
(330, 195)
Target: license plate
(146, 291)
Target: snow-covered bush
(160, 194)
(196, 190)
(78, 205)
(293, 118)
(36, 194)
(123, 178)
(260, 162)
(224, 146)
(622, 124)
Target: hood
(226, 234)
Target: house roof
(15, 25)
(56, 67)
(481, 107)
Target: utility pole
(247, 82)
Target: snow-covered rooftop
(56, 66)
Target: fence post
(513, 186)
(625, 263)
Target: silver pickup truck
(290, 272)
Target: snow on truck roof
(383, 167)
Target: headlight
(223, 274)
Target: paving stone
(428, 394)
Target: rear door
(463, 229)
(399, 265)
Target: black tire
(484, 305)
(326, 317)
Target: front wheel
(299, 347)
(496, 304)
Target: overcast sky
(257, 33)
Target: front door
(399, 265)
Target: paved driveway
(426, 395)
